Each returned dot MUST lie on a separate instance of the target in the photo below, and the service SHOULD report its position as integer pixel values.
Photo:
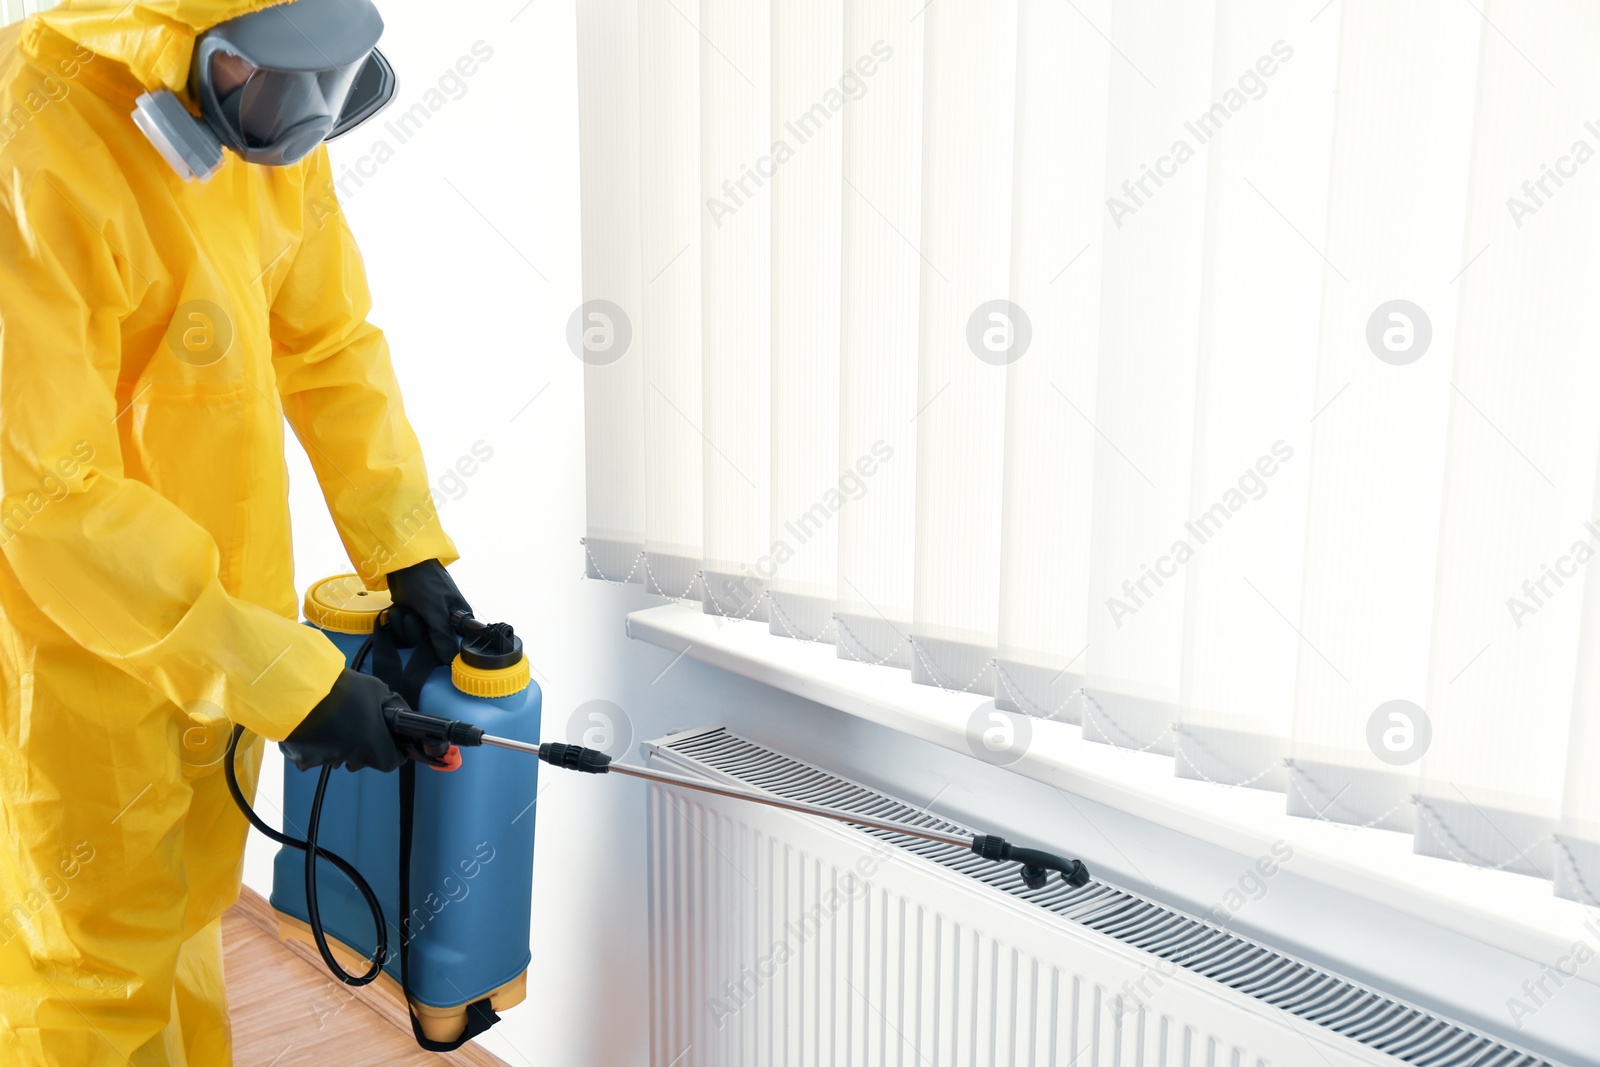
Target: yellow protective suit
(153, 336)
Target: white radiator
(782, 939)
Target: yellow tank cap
(344, 605)
(478, 682)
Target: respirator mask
(273, 85)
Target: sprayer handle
(430, 739)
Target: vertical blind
(1220, 377)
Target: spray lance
(441, 734)
(436, 740)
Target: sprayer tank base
(438, 1023)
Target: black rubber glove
(427, 589)
(348, 726)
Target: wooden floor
(288, 1012)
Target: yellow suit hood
(153, 38)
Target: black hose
(310, 847)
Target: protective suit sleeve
(340, 395)
(122, 571)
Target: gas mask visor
(274, 84)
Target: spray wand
(436, 736)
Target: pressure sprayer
(449, 856)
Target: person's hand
(348, 726)
(427, 590)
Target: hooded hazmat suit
(154, 335)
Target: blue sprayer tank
(472, 838)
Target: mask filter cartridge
(185, 142)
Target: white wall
(470, 233)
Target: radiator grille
(1374, 1019)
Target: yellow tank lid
(482, 682)
(344, 605)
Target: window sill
(1509, 911)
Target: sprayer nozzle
(1036, 865)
